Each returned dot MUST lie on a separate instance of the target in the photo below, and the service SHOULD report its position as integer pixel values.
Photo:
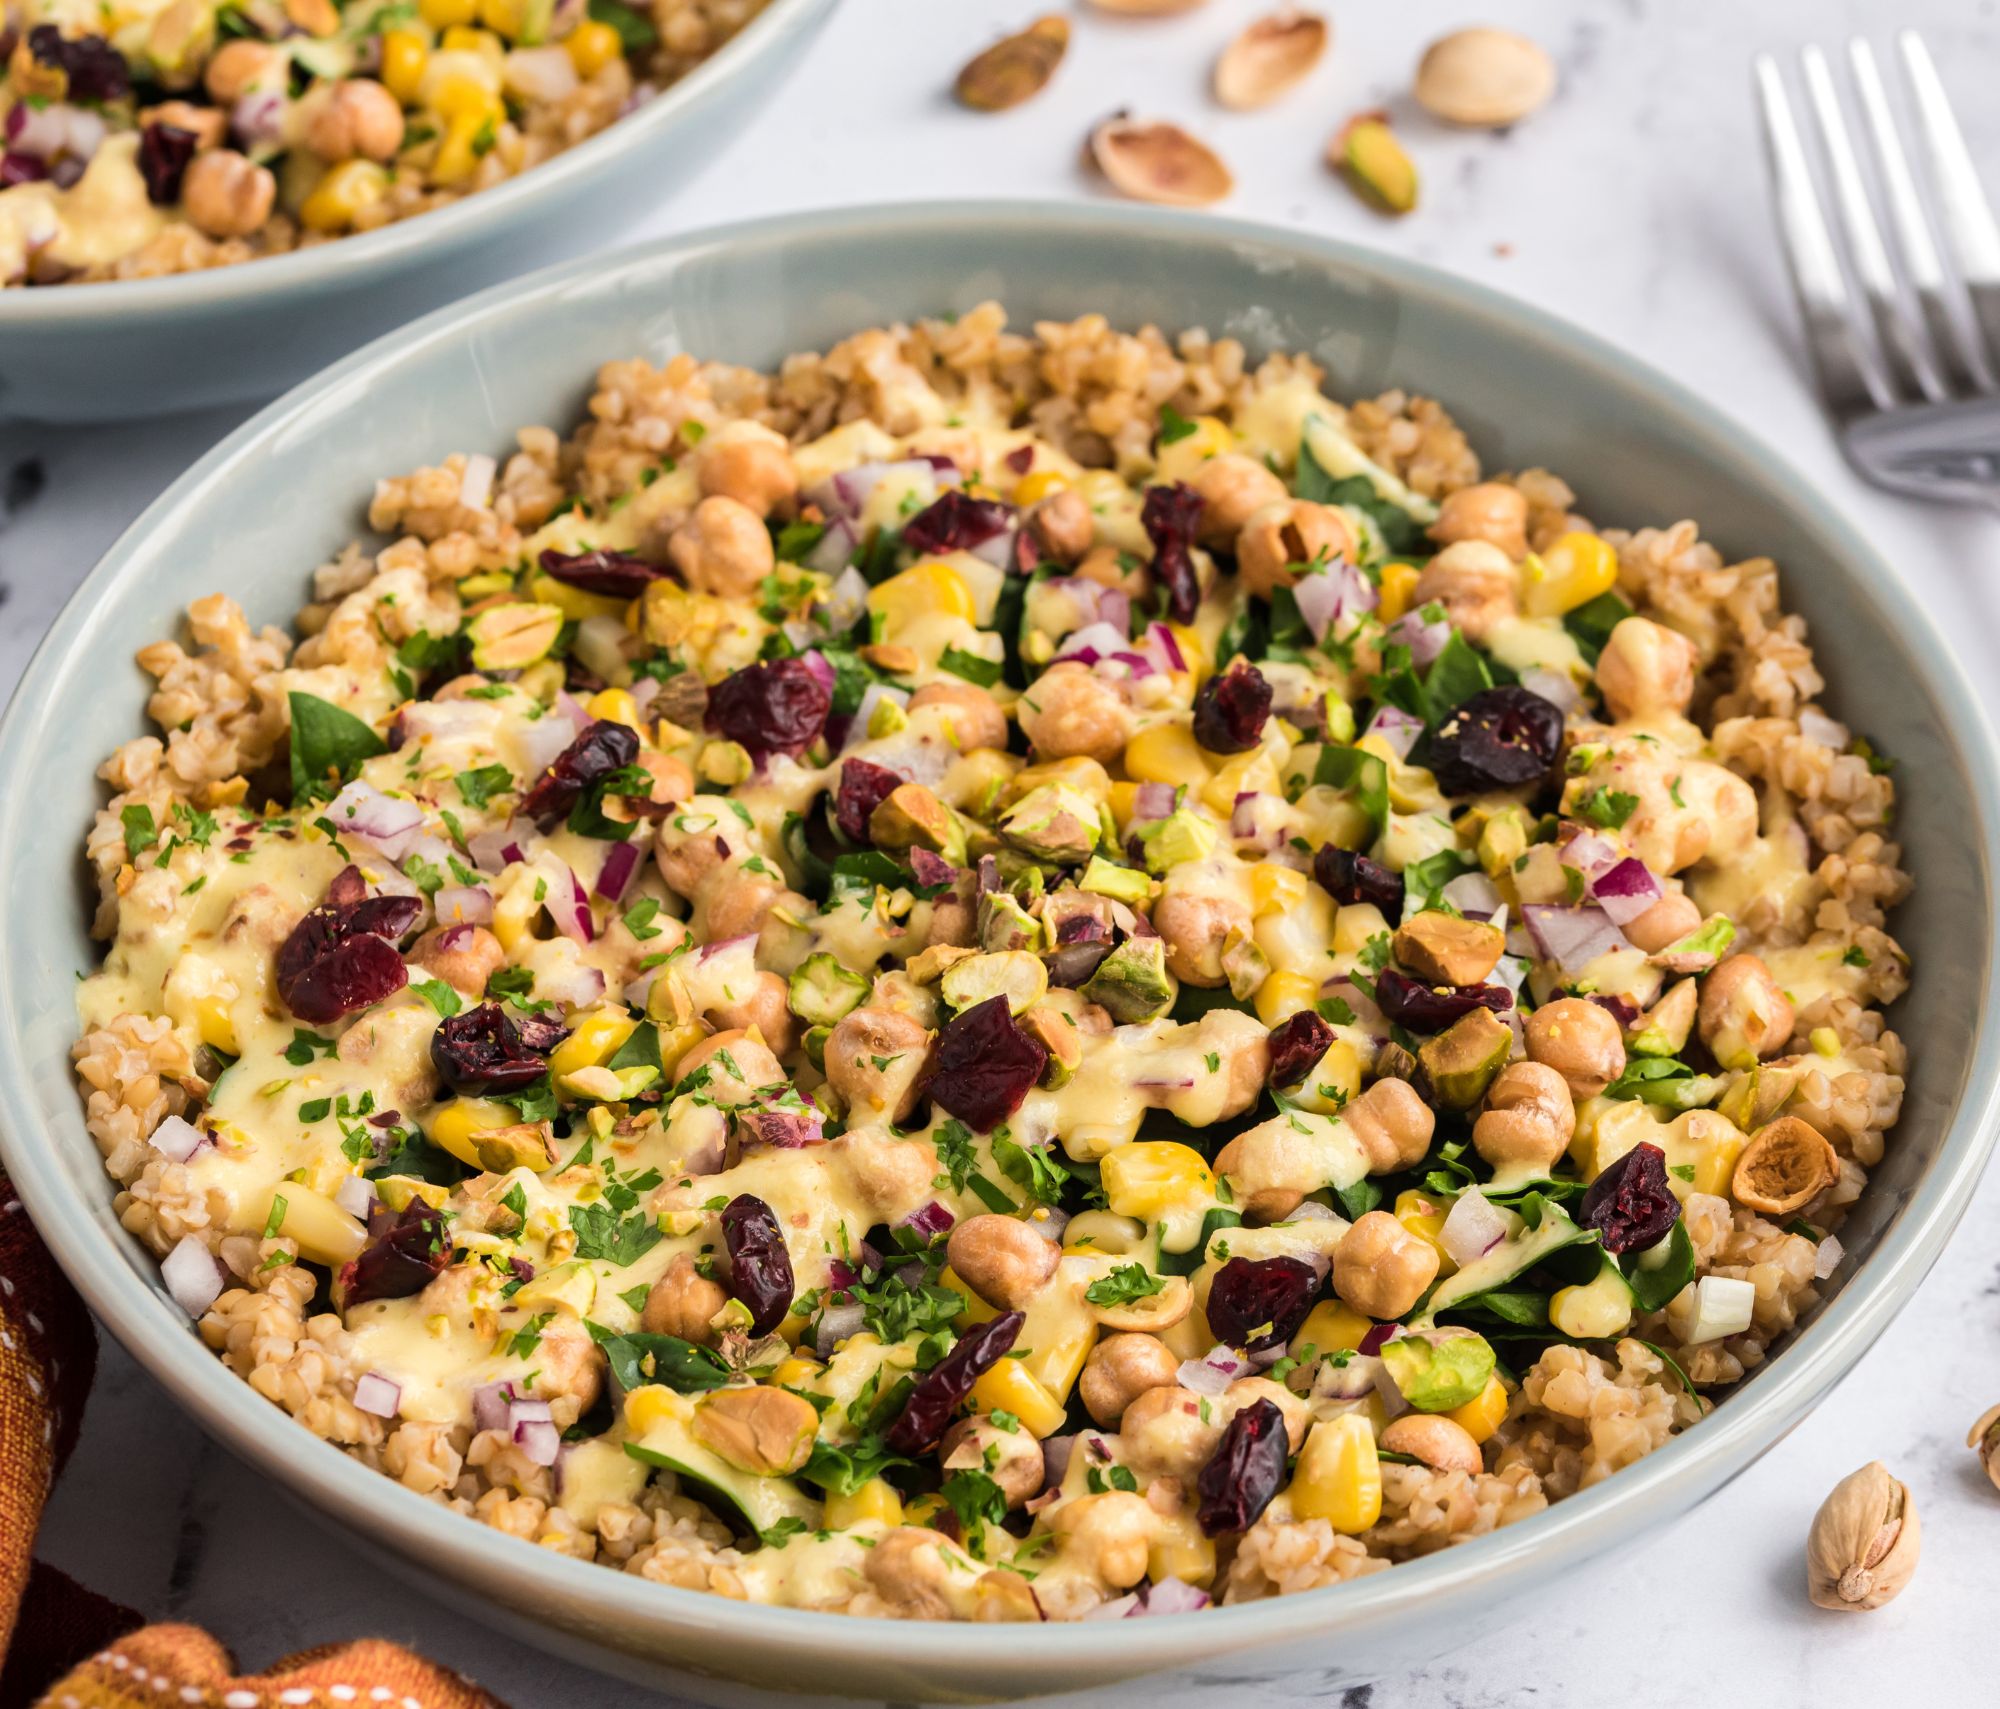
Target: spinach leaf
(328, 745)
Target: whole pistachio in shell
(1147, 8)
(1270, 57)
(1864, 1542)
(1484, 78)
(1153, 161)
(1985, 1437)
(1016, 69)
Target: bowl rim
(353, 263)
(1564, 1534)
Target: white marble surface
(1635, 207)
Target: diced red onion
(575, 987)
(847, 598)
(540, 73)
(1399, 729)
(1553, 686)
(489, 1405)
(997, 549)
(356, 1195)
(475, 480)
(1377, 1337)
(524, 1409)
(376, 1394)
(1311, 1210)
(544, 739)
(1473, 1227)
(849, 491)
(176, 1139)
(384, 822)
(192, 1275)
(829, 557)
(572, 917)
(1094, 641)
(1828, 1258)
(464, 905)
(1591, 854)
(1330, 598)
(1425, 637)
(1136, 665)
(836, 1324)
(1626, 890)
(929, 1219)
(1473, 894)
(1117, 1608)
(1573, 937)
(614, 878)
(1509, 971)
(1153, 801)
(1160, 636)
(1173, 1596)
(1723, 1306)
(259, 117)
(816, 662)
(1214, 1371)
(1114, 606)
(497, 849)
(539, 1440)
(864, 714)
(1393, 1403)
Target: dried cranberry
(95, 69)
(604, 747)
(1244, 1472)
(541, 1033)
(164, 153)
(342, 956)
(942, 1389)
(21, 169)
(956, 522)
(481, 1053)
(985, 1065)
(405, 1251)
(1430, 1009)
(930, 870)
(1500, 738)
(760, 1268)
(1169, 516)
(864, 786)
(616, 575)
(774, 708)
(1296, 1044)
(1230, 710)
(1350, 878)
(1631, 1205)
(1255, 1303)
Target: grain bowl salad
(146, 137)
(998, 976)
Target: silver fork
(1911, 384)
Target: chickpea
(1668, 921)
(226, 194)
(1381, 1268)
(875, 1059)
(723, 548)
(1744, 1014)
(356, 117)
(570, 1367)
(1243, 1046)
(1011, 1458)
(1528, 1119)
(1120, 1369)
(748, 462)
(1488, 511)
(1002, 1260)
(1232, 488)
(1248, 1391)
(1475, 582)
(243, 65)
(683, 1302)
(972, 716)
(1580, 1041)
(765, 1006)
(1067, 711)
(464, 957)
(1280, 537)
(1393, 1124)
(1063, 526)
(908, 1570)
(755, 1066)
(1272, 1166)
(1646, 671)
(1441, 1443)
(1109, 567)
(1111, 1533)
(1162, 1430)
(1196, 928)
(734, 903)
(888, 1177)
(689, 846)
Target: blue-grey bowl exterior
(290, 488)
(143, 347)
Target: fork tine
(1903, 344)
(1960, 360)
(1964, 212)
(1846, 378)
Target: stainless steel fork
(1913, 384)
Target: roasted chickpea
(570, 1368)
(240, 66)
(1393, 1124)
(754, 1066)
(1063, 526)
(1232, 488)
(1001, 1259)
(1528, 1119)
(356, 118)
(1011, 1458)
(1668, 921)
(227, 194)
(1277, 540)
(1109, 1533)
(1646, 671)
(1162, 1430)
(875, 1059)
(683, 1302)
(888, 1177)
(750, 463)
(1248, 1391)
(690, 846)
(908, 1570)
(1109, 567)
(723, 548)
(972, 715)
(1477, 585)
(464, 957)
(765, 1006)
(1744, 1014)
(1069, 711)
(1580, 1041)
(1120, 1369)
(1196, 928)
(735, 901)
(1441, 1443)
(1380, 1268)
(1486, 511)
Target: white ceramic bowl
(291, 486)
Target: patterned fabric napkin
(66, 1647)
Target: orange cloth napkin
(66, 1647)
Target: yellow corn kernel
(1056, 1361)
(925, 1509)
(1332, 1327)
(1167, 753)
(443, 14)
(1285, 994)
(1424, 1217)
(457, 1125)
(484, 43)
(976, 1309)
(1399, 584)
(1354, 925)
(1211, 438)
(405, 54)
(1124, 804)
(1031, 488)
(1254, 773)
(458, 155)
(503, 17)
(322, 1230)
(1340, 1070)
(875, 1502)
(1184, 1554)
(1010, 1387)
(796, 1372)
(1572, 572)
(217, 1030)
(1148, 1177)
(654, 1404)
(594, 1041)
(1481, 1416)
(592, 46)
(617, 705)
(923, 590)
(1275, 889)
(1339, 1476)
(342, 193)
(457, 96)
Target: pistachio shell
(1864, 1542)
(1270, 57)
(1484, 78)
(1152, 161)
(1985, 1437)
(1786, 1165)
(1016, 69)
(1367, 154)
(1146, 8)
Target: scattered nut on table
(1985, 1438)
(1864, 1542)
(1271, 57)
(1484, 78)
(1153, 161)
(1015, 69)
(1367, 154)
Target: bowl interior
(291, 487)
